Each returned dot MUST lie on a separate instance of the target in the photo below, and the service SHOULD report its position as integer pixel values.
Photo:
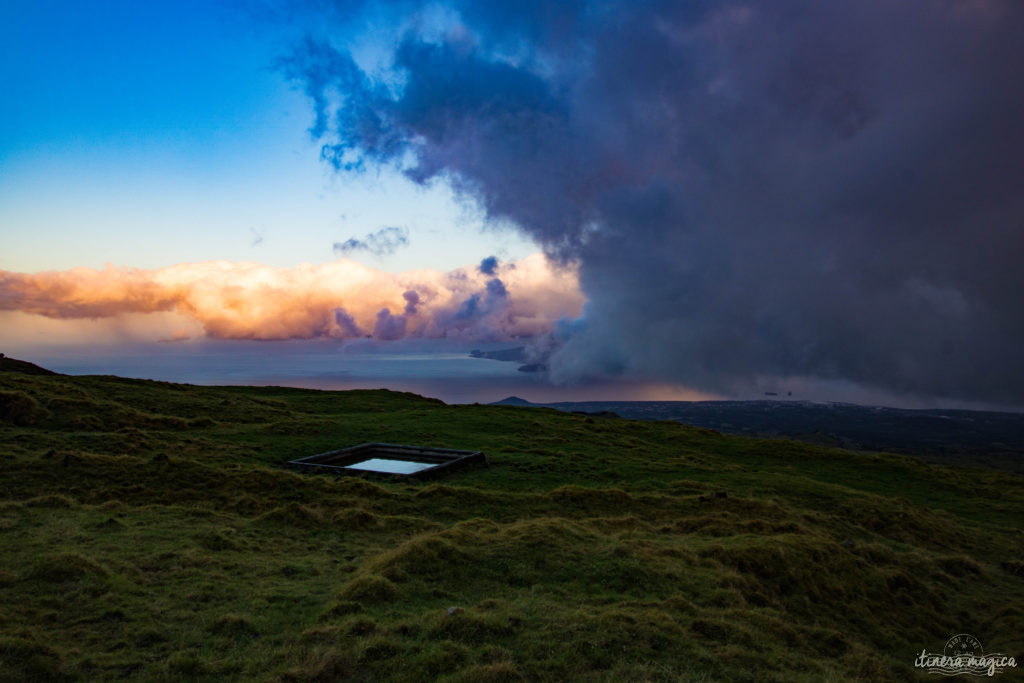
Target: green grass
(148, 530)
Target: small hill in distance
(513, 401)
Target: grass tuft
(64, 567)
(234, 625)
(18, 408)
(24, 659)
(55, 501)
(355, 518)
(294, 514)
(368, 589)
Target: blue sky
(145, 134)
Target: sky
(656, 199)
(150, 134)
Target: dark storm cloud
(496, 289)
(412, 300)
(347, 323)
(783, 189)
(389, 327)
(384, 242)
(489, 266)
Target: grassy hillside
(148, 530)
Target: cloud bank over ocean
(341, 299)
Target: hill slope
(147, 529)
(14, 365)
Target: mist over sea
(426, 367)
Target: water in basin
(391, 466)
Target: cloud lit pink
(342, 299)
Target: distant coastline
(516, 355)
(994, 440)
